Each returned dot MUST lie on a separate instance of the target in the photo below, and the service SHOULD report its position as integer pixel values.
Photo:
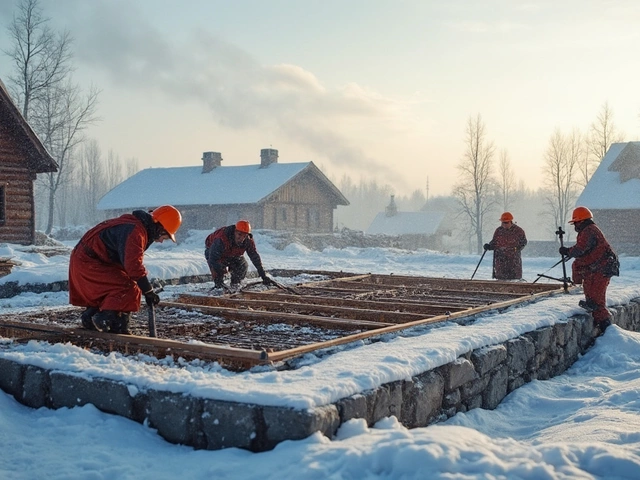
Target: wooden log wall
(17, 180)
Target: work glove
(564, 251)
(488, 247)
(267, 281)
(152, 298)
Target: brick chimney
(268, 156)
(210, 160)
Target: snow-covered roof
(404, 223)
(181, 186)
(616, 182)
(40, 160)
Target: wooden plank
(424, 290)
(173, 345)
(303, 308)
(280, 317)
(294, 352)
(422, 308)
(459, 302)
(462, 284)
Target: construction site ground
(306, 311)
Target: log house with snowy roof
(613, 196)
(420, 229)
(271, 195)
(22, 157)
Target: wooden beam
(281, 317)
(294, 352)
(171, 345)
(302, 308)
(422, 308)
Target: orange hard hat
(580, 214)
(170, 219)
(506, 217)
(243, 226)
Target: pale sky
(369, 88)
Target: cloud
(240, 92)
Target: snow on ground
(582, 424)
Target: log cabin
(22, 157)
(271, 195)
(613, 196)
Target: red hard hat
(506, 217)
(580, 214)
(243, 226)
(170, 219)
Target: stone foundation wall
(479, 379)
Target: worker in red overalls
(224, 251)
(507, 243)
(106, 273)
(594, 265)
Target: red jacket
(107, 262)
(592, 252)
(220, 247)
(506, 245)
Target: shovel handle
(152, 321)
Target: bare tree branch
(562, 160)
(474, 192)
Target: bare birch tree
(506, 180)
(559, 173)
(53, 105)
(603, 132)
(113, 170)
(476, 185)
(131, 167)
(61, 129)
(42, 58)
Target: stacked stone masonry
(479, 379)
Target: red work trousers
(595, 289)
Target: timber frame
(359, 307)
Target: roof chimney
(268, 156)
(392, 209)
(210, 160)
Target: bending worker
(224, 251)
(594, 265)
(106, 273)
(507, 243)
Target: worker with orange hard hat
(224, 251)
(507, 243)
(594, 265)
(106, 270)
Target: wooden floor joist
(245, 328)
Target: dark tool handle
(474, 272)
(152, 321)
(543, 274)
(560, 234)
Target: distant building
(22, 157)
(421, 228)
(613, 195)
(271, 195)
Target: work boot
(103, 321)
(588, 305)
(86, 317)
(121, 324)
(603, 325)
